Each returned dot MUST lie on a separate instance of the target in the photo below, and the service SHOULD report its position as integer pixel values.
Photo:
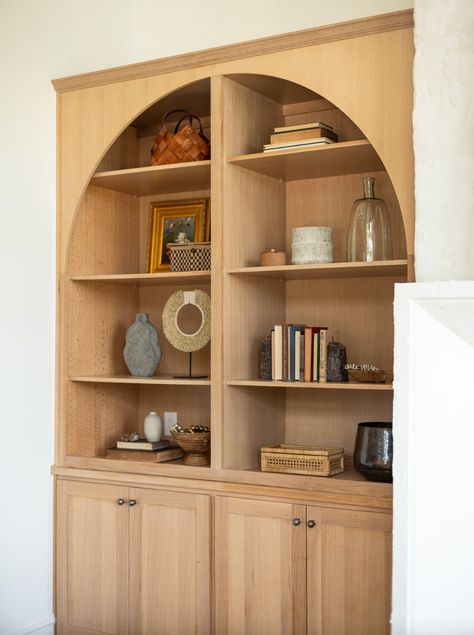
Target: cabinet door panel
(260, 568)
(92, 551)
(349, 572)
(170, 563)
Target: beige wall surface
(40, 41)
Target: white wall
(433, 482)
(444, 139)
(40, 41)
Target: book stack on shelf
(299, 353)
(301, 136)
(143, 450)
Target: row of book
(301, 136)
(299, 353)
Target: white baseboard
(44, 627)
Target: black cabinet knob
(120, 501)
(311, 524)
(132, 502)
(296, 522)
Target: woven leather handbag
(184, 145)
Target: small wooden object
(196, 446)
(272, 258)
(312, 460)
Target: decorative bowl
(371, 376)
(196, 446)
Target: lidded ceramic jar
(311, 245)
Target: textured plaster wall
(433, 592)
(40, 41)
(444, 139)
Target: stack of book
(143, 450)
(299, 353)
(300, 136)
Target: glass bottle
(369, 236)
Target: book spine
(308, 348)
(288, 354)
(273, 354)
(297, 135)
(322, 355)
(291, 353)
(297, 355)
(315, 356)
(285, 353)
(278, 352)
(301, 368)
(303, 126)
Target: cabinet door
(170, 563)
(349, 572)
(92, 555)
(260, 568)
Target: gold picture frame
(175, 221)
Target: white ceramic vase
(153, 427)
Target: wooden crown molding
(250, 48)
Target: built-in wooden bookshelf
(256, 200)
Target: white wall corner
(43, 627)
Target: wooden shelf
(260, 383)
(143, 279)
(330, 270)
(157, 179)
(349, 157)
(128, 379)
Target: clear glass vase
(369, 236)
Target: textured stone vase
(142, 352)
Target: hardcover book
(303, 126)
(298, 135)
(288, 145)
(278, 352)
(322, 354)
(155, 456)
(142, 444)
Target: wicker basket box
(190, 256)
(312, 460)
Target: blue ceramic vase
(142, 352)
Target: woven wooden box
(312, 460)
(190, 256)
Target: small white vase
(153, 427)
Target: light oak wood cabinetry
(355, 77)
(286, 569)
(132, 560)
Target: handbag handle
(190, 116)
(170, 112)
